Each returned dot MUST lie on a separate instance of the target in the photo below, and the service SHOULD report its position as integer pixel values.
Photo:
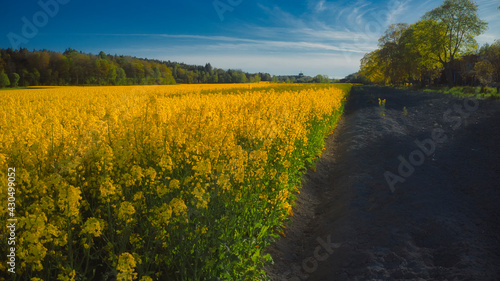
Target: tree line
(438, 49)
(43, 67)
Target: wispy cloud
(396, 9)
(281, 17)
(488, 11)
(320, 6)
(226, 42)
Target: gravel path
(400, 197)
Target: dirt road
(410, 195)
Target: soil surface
(440, 219)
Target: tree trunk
(496, 85)
(449, 74)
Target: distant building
(463, 71)
(301, 75)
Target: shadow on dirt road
(441, 159)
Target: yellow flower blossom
(201, 196)
(125, 212)
(174, 184)
(178, 206)
(126, 268)
(283, 178)
(93, 226)
(67, 276)
(107, 189)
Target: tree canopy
(457, 24)
(421, 52)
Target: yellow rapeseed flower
(126, 212)
(126, 268)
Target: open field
(155, 182)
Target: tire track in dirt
(441, 223)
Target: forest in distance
(22, 68)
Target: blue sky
(279, 37)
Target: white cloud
(488, 12)
(396, 9)
(225, 42)
(320, 7)
(282, 18)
